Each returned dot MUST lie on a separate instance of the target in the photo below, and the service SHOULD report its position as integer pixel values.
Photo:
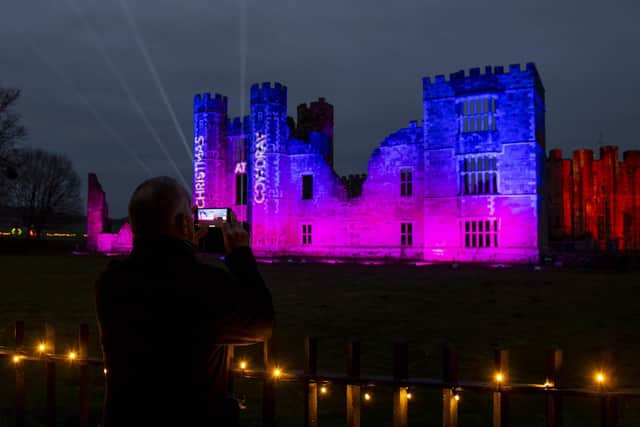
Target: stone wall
(595, 200)
(99, 237)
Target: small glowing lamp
(456, 397)
(42, 347)
(367, 396)
(323, 389)
(243, 364)
(17, 359)
(105, 371)
(548, 384)
(409, 395)
(72, 355)
(600, 378)
(499, 377)
(277, 372)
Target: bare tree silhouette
(46, 185)
(11, 131)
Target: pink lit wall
(99, 239)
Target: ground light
(499, 377)
(277, 373)
(243, 364)
(42, 347)
(600, 378)
(72, 355)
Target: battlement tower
(209, 150)
(268, 165)
(484, 137)
(317, 117)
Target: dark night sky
(366, 57)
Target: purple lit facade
(99, 238)
(465, 185)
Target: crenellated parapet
(492, 79)
(266, 93)
(205, 103)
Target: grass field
(476, 309)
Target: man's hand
(235, 236)
(199, 235)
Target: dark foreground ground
(476, 309)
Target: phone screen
(213, 215)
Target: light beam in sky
(154, 73)
(92, 110)
(93, 35)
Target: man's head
(161, 207)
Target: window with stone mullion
(478, 115)
(478, 175)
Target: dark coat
(164, 318)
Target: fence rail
(355, 383)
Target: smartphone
(213, 241)
(211, 216)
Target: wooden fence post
(83, 354)
(609, 406)
(353, 390)
(500, 398)
(400, 374)
(269, 387)
(449, 396)
(230, 355)
(310, 386)
(609, 403)
(50, 348)
(554, 400)
(20, 392)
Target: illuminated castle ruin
(99, 237)
(468, 183)
(595, 200)
(465, 184)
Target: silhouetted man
(164, 317)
